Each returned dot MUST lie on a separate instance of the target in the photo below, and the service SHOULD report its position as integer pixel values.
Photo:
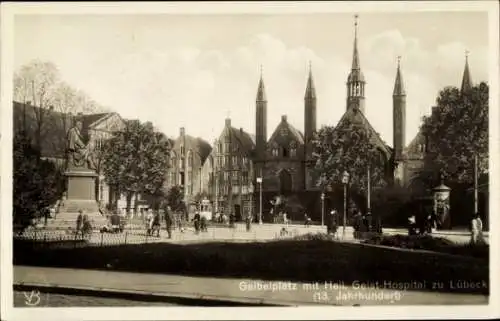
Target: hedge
(288, 260)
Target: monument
(81, 178)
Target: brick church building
(227, 172)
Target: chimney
(241, 130)
(283, 118)
(228, 122)
(182, 131)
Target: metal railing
(133, 234)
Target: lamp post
(259, 181)
(345, 180)
(322, 209)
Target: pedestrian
(86, 225)
(156, 224)
(149, 221)
(331, 227)
(477, 230)
(196, 222)
(412, 225)
(248, 222)
(231, 220)
(79, 220)
(169, 222)
(307, 220)
(203, 223)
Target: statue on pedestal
(79, 154)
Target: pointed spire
(310, 89)
(355, 54)
(466, 79)
(399, 88)
(261, 92)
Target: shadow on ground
(287, 260)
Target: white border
(8, 10)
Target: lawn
(289, 260)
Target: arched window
(275, 150)
(293, 149)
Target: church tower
(398, 115)
(466, 79)
(309, 127)
(260, 122)
(356, 79)
(309, 111)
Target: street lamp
(322, 209)
(259, 181)
(345, 180)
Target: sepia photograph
(283, 156)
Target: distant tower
(399, 114)
(309, 109)
(261, 121)
(466, 79)
(356, 79)
(309, 126)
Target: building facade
(187, 157)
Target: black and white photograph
(184, 156)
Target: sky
(193, 71)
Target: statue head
(79, 124)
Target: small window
(275, 152)
(182, 150)
(235, 160)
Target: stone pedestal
(81, 191)
(80, 196)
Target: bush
(430, 243)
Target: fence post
(126, 233)
(102, 238)
(147, 238)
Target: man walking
(477, 229)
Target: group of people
(200, 223)
(83, 224)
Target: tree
(175, 198)
(37, 183)
(350, 148)
(135, 160)
(36, 81)
(456, 130)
